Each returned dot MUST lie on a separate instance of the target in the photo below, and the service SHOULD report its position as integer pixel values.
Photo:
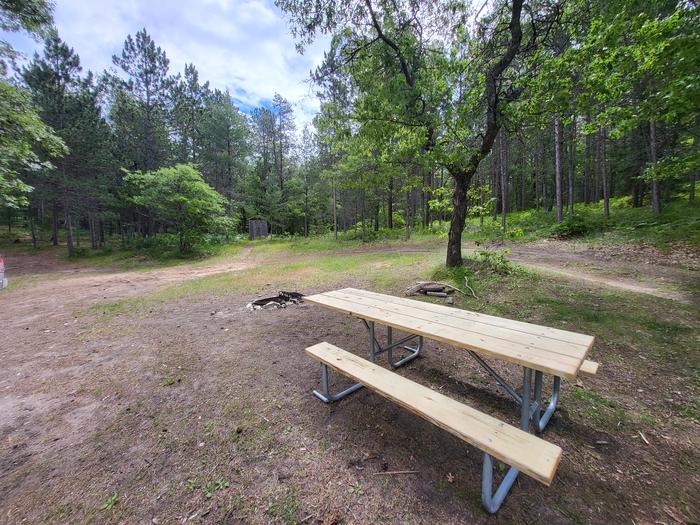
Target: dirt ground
(196, 410)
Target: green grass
(345, 241)
(679, 221)
(382, 269)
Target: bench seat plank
(557, 364)
(529, 454)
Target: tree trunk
(502, 148)
(572, 166)
(33, 229)
(335, 213)
(603, 167)
(390, 204)
(558, 132)
(495, 179)
(408, 216)
(54, 224)
(655, 198)
(523, 189)
(362, 209)
(587, 166)
(69, 234)
(459, 214)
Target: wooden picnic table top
(550, 350)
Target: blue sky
(242, 45)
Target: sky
(244, 46)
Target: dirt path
(639, 269)
(78, 288)
(74, 287)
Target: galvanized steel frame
(529, 409)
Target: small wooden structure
(257, 229)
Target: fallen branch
(392, 472)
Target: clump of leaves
(111, 501)
(494, 261)
(575, 226)
(214, 486)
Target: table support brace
(326, 396)
(376, 348)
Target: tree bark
(459, 214)
(558, 132)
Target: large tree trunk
(459, 214)
(655, 198)
(558, 131)
(463, 176)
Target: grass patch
(285, 508)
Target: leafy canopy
(181, 199)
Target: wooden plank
(548, 362)
(528, 453)
(589, 368)
(507, 334)
(528, 328)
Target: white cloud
(241, 45)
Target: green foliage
(574, 226)
(179, 198)
(111, 501)
(679, 221)
(22, 133)
(494, 261)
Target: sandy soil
(198, 411)
(640, 269)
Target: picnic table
(539, 350)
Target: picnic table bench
(537, 349)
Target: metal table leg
(540, 419)
(490, 500)
(326, 396)
(376, 348)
